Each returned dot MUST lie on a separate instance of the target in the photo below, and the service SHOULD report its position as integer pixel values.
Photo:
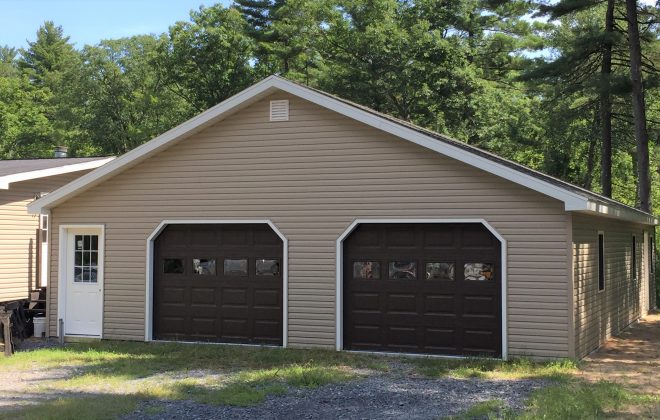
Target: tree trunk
(639, 108)
(606, 105)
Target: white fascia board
(620, 212)
(59, 170)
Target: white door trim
(148, 309)
(62, 267)
(339, 271)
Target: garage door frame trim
(148, 310)
(339, 269)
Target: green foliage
(207, 60)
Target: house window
(44, 227)
(634, 257)
(601, 261)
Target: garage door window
(265, 267)
(368, 270)
(440, 271)
(478, 271)
(403, 270)
(236, 267)
(173, 266)
(204, 266)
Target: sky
(90, 21)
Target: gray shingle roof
(12, 167)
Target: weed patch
(494, 369)
(83, 408)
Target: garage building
(286, 216)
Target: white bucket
(39, 326)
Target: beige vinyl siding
(599, 314)
(312, 176)
(19, 245)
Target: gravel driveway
(377, 397)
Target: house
(290, 217)
(23, 239)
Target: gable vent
(279, 110)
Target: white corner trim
(572, 200)
(43, 173)
(62, 267)
(339, 308)
(148, 307)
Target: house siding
(600, 314)
(18, 235)
(312, 176)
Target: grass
(494, 369)
(113, 377)
(104, 407)
(572, 399)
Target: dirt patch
(632, 358)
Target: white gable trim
(43, 173)
(572, 201)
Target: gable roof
(26, 169)
(573, 197)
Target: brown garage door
(423, 288)
(218, 283)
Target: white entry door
(84, 282)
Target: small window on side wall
(601, 261)
(634, 257)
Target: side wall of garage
(625, 297)
(312, 176)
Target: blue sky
(89, 21)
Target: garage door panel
(439, 305)
(433, 293)
(203, 296)
(402, 302)
(267, 298)
(480, 305)
(402, 337)
(221, 299)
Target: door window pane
(204, 266)
(265, 267)
(173, 266)
(478, 271)
(237, 267)
(440, 271)
(85, 258)
(403, 270)
(366, 270)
